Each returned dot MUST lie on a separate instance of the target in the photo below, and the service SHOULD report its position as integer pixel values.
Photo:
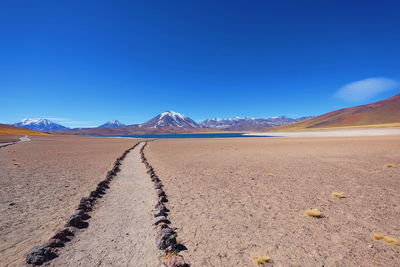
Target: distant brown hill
(13, 130)
(383, 112)
(131, 129)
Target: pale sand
(228, 209)
(334, 132)
(120, 232)
(38, 195)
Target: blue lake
(191, 135)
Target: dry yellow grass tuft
(314, 213)
(377, 236)
(388, 239)
(14, 159)
(169, 254)
(338, 195)
(269, 174)
(390, 165)
(16, 163)
(261, 260)
(391, 240)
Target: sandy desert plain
(230, 200)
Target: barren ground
(120, 232)
(228, 209)
(41, 190)
(333, 132)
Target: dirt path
(120, 232)
(21, 139)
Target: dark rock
(80, 212)
(163, 199)
(115, 169)
(85, 207)
(165, 240)
(100, 190)
(158, 185)
(11, 204)
(39, 255)
(85, 200)
(158, 213)
(63, 234)
(160, 192)
(74, 220)
(103, 184)
(54, 243)
(160, 219)
(162, 225)
(160, 206)
(94, 194)
(167, 230)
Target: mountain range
(382, 112)
(40, 125)
(111, 124)
(166, 122)
(245, 124)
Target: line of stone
(78, 220)
(166, 236)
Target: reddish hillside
(382, 112)
(13, 130)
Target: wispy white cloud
(366, 89)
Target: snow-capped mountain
(170, 119)
(246, 123)
(111, 124)
(40, 125)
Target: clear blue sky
(86, 62)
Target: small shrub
(390, 165)
(261, 260)
(387, 239)
(377, 236)
(338, 195)
(169, 254)
(391, 240)
(314, 213)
